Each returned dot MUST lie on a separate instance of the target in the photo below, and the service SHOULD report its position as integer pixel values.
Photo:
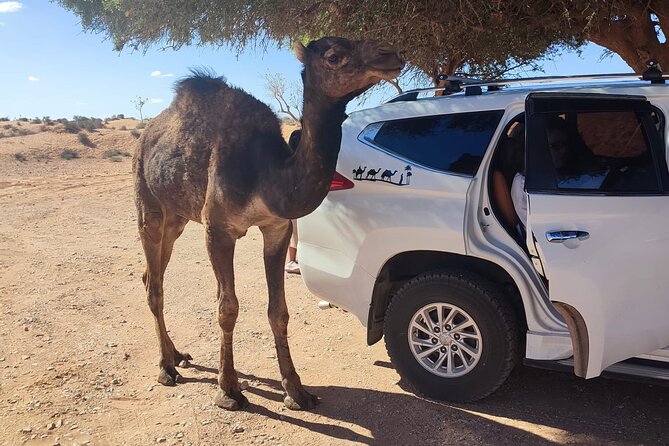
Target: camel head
(342, 69)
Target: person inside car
(558, 143)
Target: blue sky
(50, 67)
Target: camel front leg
(221, 248)
(276, 238)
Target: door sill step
(635, 369)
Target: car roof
(499, 99)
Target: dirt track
(78, 349)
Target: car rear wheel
(451, 336)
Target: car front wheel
(451, 336)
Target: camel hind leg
(276, 239)
(158, 232)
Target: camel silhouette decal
(386, 175)
(358, 172)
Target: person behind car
(292, 265)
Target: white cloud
(159, 73)
(32, 78)
(10, 6)
(2, 23)
(155, 101)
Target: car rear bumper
(334, 277)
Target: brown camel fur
(216, 156)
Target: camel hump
(203, 81)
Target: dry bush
(135, 133)
(85, 140)
(20, 157)
(69, 154)
(115, 155)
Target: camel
(216, 156)
(387, 175)
(372, 173)
(359, 171)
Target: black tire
(493, 316)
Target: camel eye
(333, 59)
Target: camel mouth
(386, 74)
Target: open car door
(598, 219)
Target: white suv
(419, 239)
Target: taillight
(340, 182)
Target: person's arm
(502, 197)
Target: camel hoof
(182, 359)
(305, 401)
(169, 376)
(227, 402)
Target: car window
(601, 151)
(451, 143)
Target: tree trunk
(634, 38)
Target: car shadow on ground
(535, 407)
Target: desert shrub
(20, 157)
(140, 126)
(89, 124)
(71, 127)
(79, 123)
(43, 128)
(114, 152)
(23, 119)
(36, 121)
(85, 140)
(7, 126)
(115, 155)
(5, 118)
(24, 132)
(18, 123)
(135, 133)
(69, 154)
(42, 157)
(123, 128)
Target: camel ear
(300, 52)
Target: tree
(139, 104)
(630, 28)
(475, 37)
(289, 97)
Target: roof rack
(471, 86)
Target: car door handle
(561, 236)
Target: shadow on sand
(535, 407)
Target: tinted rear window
(451, 143)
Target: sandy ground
(78, 351)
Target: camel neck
(306, 175)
